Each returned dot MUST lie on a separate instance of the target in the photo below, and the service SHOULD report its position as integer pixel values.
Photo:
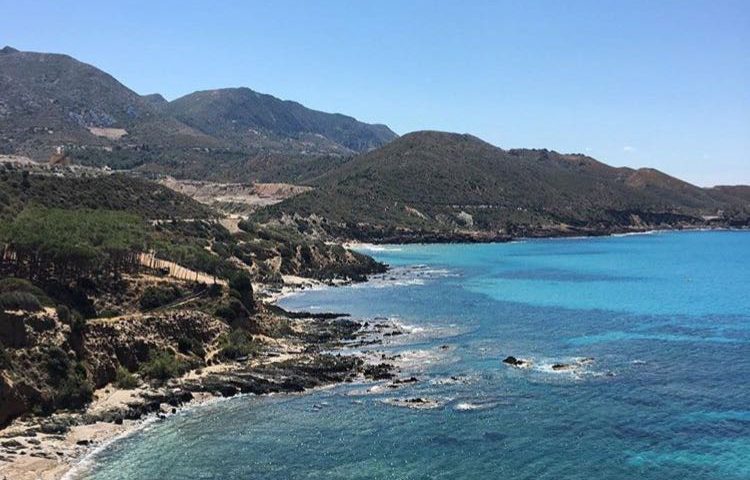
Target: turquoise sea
(665, 316)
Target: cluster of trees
(42, 243)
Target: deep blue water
(665, 316)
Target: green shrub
(4, 356)
(63, 313)
(188, 345)
(19, 301)
(78, 325)
(125, 379)
(231, 310)
(109, 313)
(241, 283)
(214, 290)
(57, 363)
(75, 297)
(158, 296)
(12, 284)
(163, 366)
(237, 344)
(75, 391)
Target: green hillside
(443, 185)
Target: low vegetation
(156, 296)
(237, 344)
(124, 379)
(124, 193)
(163, 365)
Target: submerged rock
(562, 366)
(578, 363)
(418, 403)
(516, 362)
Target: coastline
(377, 245)
(81, 442)
(61, 446)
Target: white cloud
(628, 148)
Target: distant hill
(435, 185)
(51, 101)
(156, 100)
(736, 191)
(248, 118)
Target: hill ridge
(448, 186)
(52, 100)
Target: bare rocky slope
(51, 102)
(247, 119)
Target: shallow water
(666, 318)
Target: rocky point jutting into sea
(290, 352)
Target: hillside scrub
(19, 301)
(242, 285)
(107, 192)
(163, 366)
(124, 379)
(237, 344)
(156, 296)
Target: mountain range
(368, 183)
(51, 101)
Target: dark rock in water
(381, 371)
(570, 366)
(444, 347)
(511, 360)
(400, 381)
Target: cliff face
(43, 373)
(128, 341)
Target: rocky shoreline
(34, 447)
(407, 237)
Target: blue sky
(639, 83)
